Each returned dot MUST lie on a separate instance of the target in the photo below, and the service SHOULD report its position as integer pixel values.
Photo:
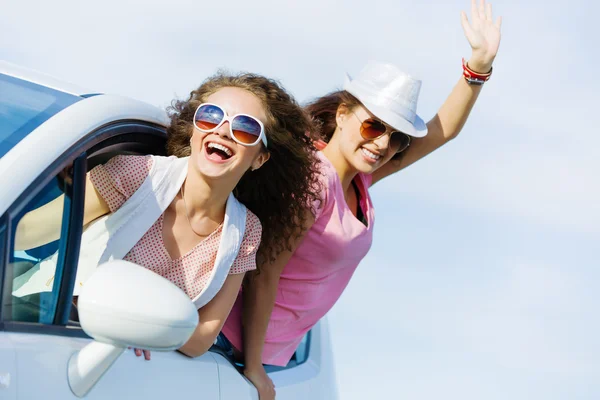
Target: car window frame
(3, 257)
(114, 134)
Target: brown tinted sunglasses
(372, 129)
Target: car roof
(40, 78)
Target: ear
(262, 158)
(342, 114)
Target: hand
(262, 382)
(138, 353)
(483, 35)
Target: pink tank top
(318, 272)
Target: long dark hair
(280, 192)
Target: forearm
(212, 317)
(259, 299)
(43, 225)
(40, 226)
(202, 339)
(453, 114)
(259, 294)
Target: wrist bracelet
(475, 78)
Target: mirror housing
(123, 304)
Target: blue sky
(483, 280)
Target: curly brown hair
(323, 111)
(284, 189)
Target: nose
(383, 142)
(224, 130)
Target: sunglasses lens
(372, 129)
(246, 129)
(208, 117)
(399, 141)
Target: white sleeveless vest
(112, 236)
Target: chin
(214, 171)
(208, 169)
(367, 169)
(225, 173)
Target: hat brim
(418, 129)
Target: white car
(51, 133)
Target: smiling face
(215, 155)
(361, 154)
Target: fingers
(488, 12)
(272, 388)
(465, 23)
(262, 382)
(481, 10)
(139, 352)
(498, 23)
(474, 11)
(267, 393)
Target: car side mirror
(123, 304)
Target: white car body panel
(8, 368)
(129, 378)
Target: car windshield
(24, 106)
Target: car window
(31, 286)
(38, 279)
(24, 106)
(301, 354)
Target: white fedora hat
(390, 94)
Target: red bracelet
(474, 78)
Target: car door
(42, 329)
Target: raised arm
(42, 225)
(483, 35)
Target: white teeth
(220, 147)
(369, 154)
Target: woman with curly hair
(241, 168)
(370, 131)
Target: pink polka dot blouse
(118, 179)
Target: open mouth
(218, 152)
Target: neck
(344, 170)
(204, 199)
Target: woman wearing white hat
(372, 131)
